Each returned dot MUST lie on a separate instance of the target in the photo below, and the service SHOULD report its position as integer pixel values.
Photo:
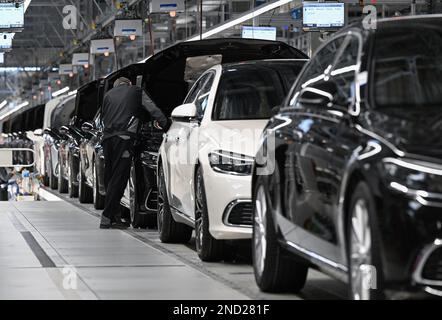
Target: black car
(356, 186)
(86, 107)
(91, 169)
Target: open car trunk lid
(169, 75)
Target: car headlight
(410, 175)
(231, 163)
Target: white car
(39, 141)
(205, 163)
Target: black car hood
(164, 72)
(416, 131)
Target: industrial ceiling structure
(45, 43)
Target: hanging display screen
(322, 15)
(12, 16)
(263, 33)
(6, 40)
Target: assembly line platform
(55, 250)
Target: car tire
(84, 192)
(72, 188)
(137, 219)
(274, 268)
(62, 183)
(169, 230)
(208, 248)
(364, 260)
(46, 180)
(53, 181)
(98, 198)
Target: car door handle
(177, 139)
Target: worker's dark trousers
(118, 155)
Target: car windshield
(408, 66)
(250, 92)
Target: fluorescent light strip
(3, 104)
(72, 93)
(242, 19)
(17, 108)
(60, 92)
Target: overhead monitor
(262, 33)
(6, 41)
(12, 16)
(126, 28)
(323, 16)
(102, 46)
(80, 59)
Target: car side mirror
(321, 94)
(64, 130)
(38, 132)
(185, 112)
(87, 127)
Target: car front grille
(240, 214)
(433, 266)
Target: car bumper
(229, 205)
(411, 232)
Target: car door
(181, 147)
(308, 186)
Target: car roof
(265, 62)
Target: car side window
(320, 64)
(203, 96)
(344, 71)
(196, 89)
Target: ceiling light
(132, 37)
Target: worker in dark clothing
(122, 111)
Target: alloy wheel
(161, 197)
(259, 231)
(360, 250)
(199, 234)
(69, 169)
(94, 182)
(132, 194)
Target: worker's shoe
(116, 223)
(119, 225)
(120, 220)
(105, 223)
